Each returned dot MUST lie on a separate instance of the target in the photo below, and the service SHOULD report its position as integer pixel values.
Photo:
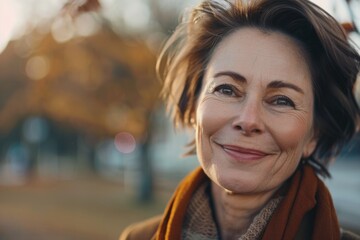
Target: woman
(267, 87)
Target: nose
(248, 119)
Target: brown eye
(225, 89)
(283, 101)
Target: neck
(235, 212)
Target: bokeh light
(86, 25)
(125, 142)
(63, 29)
(137, 15)
(37, 67)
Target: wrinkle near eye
(300, 116)
(206, 97)
(210, 87)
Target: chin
(235, 182)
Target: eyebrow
(281, 84)
(274, 84)
(233, 75)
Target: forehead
(255, 53)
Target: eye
(282, 101)
(226, 90)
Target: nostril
(256, 130)
(247, 128)
(238, 127)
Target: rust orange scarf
(306, 193)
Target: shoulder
(141, 230)
(347, 235)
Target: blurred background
(85, 145)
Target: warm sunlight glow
(9, 17)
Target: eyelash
(232, 92)
(285, 101)
(226, 87)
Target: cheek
(292, 133)
(211, 116)
(209, 121)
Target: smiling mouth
(243, 154)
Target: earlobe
(310, 148)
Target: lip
(243, 154)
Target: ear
(309, 148)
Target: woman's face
(254, 116)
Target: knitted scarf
(306, 193)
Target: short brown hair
(334, 63)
